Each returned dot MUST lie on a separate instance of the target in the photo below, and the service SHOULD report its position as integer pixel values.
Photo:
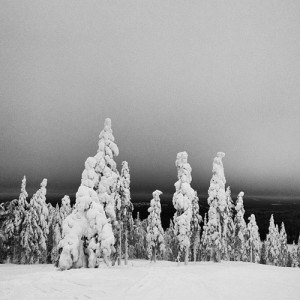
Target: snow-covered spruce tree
(155, 232)
(229, 230)
(89, 226)
(195, 226)
(56, 229)
(204, 250)
(272, 244)
(171, 243)
(137, 238)
(19, 214)
(50, 244)
(294, 256)
(240, 229)
(60, 215)
(41, 213)
(217, 205)
(86, 234)
(182, 201)
(65, 208)
(263, 254)
(30, 235)
(298, 251)
(283, 255)
(106, 170)
(8, 229)
(253, 241)
(124, 209)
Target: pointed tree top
(241, 194)
(124, 164)
(221, 154)
(156, 194)
(44, 183)
(252, 217)
(23, 186)
(107, 122)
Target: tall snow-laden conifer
(60, 214)
(106, 170)
(171, 243)
(124, 208)
(87, 231)
(253, 241)
(56, 229)
(298, 251)
(204, 250)
(31, 231)
(19, 215)
(41, 214)
(229, 232)
(283, 254)
(137, 238)
(272, 244)
(50, 245)
(21, 207)
(240, 229)
(155, 232)
(182, 201)
(9, 231)
(294, 257)
(195, 226)
(217, 205)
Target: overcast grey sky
(201, 76)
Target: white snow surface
(144, 280)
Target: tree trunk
(186, 258)
(126, 246)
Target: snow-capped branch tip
(182, 155)
(107, 122)
(44, 183)
(241, 194)
(221, 154)
(156, 193)
(23, 183)
(124, 164)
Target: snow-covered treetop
(183, 167)
(184, 194)
(125, 175)
(106, 148)
(154, 228)
(240, 205)
(217, 184)
(155, 206)
(65, 201)
(43, 186)
(89, 177)
(252, 226)
(23, 188)
(65, 208)
(272, 224)
(40, 195)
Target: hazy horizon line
(6, 196)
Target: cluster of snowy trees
(32, 229)
(99, 228)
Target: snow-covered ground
(142, 280)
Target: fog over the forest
(195, 76)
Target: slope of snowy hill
(144, 280)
